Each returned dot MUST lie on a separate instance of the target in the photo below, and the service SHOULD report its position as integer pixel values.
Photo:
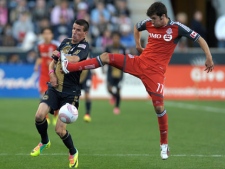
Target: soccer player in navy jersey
(150, 66)
(62, 89)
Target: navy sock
(42, 130)
(67, 140)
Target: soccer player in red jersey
(45, 48)
(152, 63)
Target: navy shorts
(55, 99)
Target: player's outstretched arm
(209, 61)
(137, 37)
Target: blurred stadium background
(22, 20)
(129, 140)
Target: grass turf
(126, 141)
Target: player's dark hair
(157, 8)
(83, 23)
(46, 28)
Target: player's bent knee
(159, 109)
(60, 129)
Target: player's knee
(159, 109)
(104, 57)
(39, 116)
(59, 131)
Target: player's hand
(139, 49)
(55, 55)
(209, 65)
(53, 80)
(64, 63)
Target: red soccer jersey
(45, 53)
(162, 42)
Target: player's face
(78, 33)
(47, 35)
(157, 21)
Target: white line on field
(117, 155)
(194, 107)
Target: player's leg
(43, 87)
(42, 126)
(116, 109)
(163, 124)
(116, 60)
(87, 116)
(60, 129)
(154, 84)
(110, 90)
(48, 103)
(65, 135)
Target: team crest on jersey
(76, 52)
(66, 49)
(168, 37)
(169, 31)
(193, 34)
(45, 97)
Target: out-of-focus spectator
(3, 14)
(103, 41)
(100, 14)
(82, 11)
(21, 27)
(196, 24)
(62, 10)
(220, 31)
(20, 7)
(183, 43)
(14, 59)
(3, 59)
(121, 7)
(123, 19)
(31, 57)
(29, 40)
(40, 11)
(7, 36)
(127, 37)
(61, 29)
(43, 23)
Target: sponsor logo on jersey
(155, 36)
(193, 34)
(82, 46)
(167, 37)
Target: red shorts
(152, 79)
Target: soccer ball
(68, 113)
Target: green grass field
(126, 141)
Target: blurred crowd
(21, 21)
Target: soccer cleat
(73, 160)
(48, 120)
(54, 120)
(87, 118)
(39, 148)
(116, 110)
(164, 151)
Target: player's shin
(85, 65)
(42, 129)
(67, 140)
(163, 127)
